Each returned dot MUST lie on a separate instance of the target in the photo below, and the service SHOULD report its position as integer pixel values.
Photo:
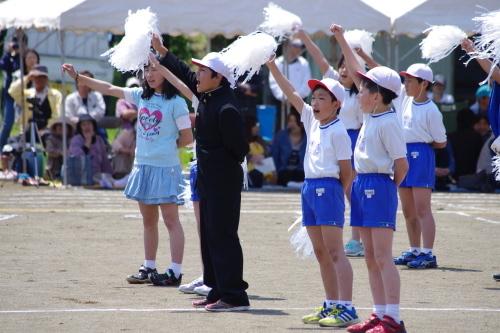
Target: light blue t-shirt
(157, 130)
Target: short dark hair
(372, 87)
(87, 72)
(223, 81)
(420, 80)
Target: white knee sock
(177, 268)
(392, 310)
(150, 263)
(379, 310)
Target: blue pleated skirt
(154, 185)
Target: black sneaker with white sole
(142, 276)
(166, 280)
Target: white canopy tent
(231, 18)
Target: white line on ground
(194, 309)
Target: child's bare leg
(411, 216)
(170, 215)
(326, 266)
(150, 222)
(422, 198)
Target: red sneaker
(221, 306)
(201, 303)
(388, 325)
(365, 326)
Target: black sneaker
(167, 279)
(142, 276)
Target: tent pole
(63, 108)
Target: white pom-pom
(302, 243)
(244, 166)
(360, 39)
(278, 22)
(186, 194)
(132, 53)
(488, 43)
(440, 42)
(496, 167)
(248, 53)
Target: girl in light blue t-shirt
(163, 126)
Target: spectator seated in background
(445, 167)
(247, 93)
(466, 144)
(86, 101)
(87, 143)
(482, 100)
(481, 125)
(123, 149)
(125, 110)
(54, 147)
(42, 103)
(289, 149)
(259, 151)
(437, 94)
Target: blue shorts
(421, 166)
(193, 174)
(322, 202)
(374, 201)
(353, 134)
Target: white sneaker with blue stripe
(340, 317)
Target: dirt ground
(65, 254)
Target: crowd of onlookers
(277, 161)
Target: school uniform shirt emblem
(407, 121)
(314, 148)
(369, 193)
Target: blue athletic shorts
(374, 201)
(353, 134)
(421, 166)
(193, 174)
(322, 202)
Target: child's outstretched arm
(468, 46)
(286, 86)
(94, 84)
(174, 80)
(314, 51)
(369, 60)
(352, 64)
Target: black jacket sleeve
(181, 70)
(233, 135)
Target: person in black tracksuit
(220, 148)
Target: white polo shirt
(380, 142)
(326, 146)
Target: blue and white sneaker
(340, 317)
(423, 261)
(320, 313)
(190, 287)
(405, 258)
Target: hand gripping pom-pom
(488, 43)
(132, 53)
(279, 23)
(360, 39)
(440, 42)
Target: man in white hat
(220, 148)
(296, 69)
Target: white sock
(415, 250)
(176, 268)
(426, 250)
(331, 303)
(347, 304)
(392, 310)
(121, 182)
(379, 310)
(150, 263)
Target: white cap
(384, 77)
(331, 85)
(421, 71)
(214, 61)
(297, 42)
(131, 81)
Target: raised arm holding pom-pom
(468, 46)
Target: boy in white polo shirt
(423, 130)
(327, 167)
(379, 154)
